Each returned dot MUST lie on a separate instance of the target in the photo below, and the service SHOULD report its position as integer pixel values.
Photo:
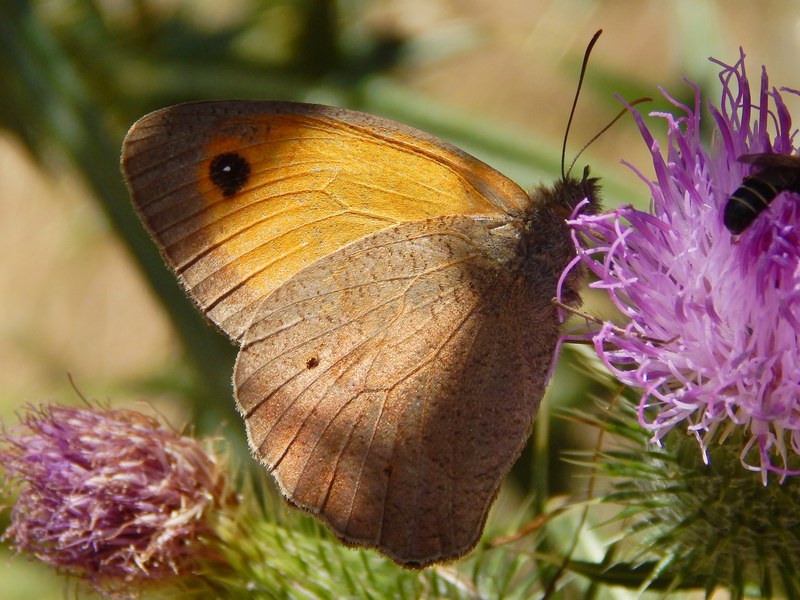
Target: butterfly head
(572, 196)
(565, 199)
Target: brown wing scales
(421, 393)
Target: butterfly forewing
(241, 195)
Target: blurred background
(83, 290)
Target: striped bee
(776, 173)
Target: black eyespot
(229, 172)
(312, 362)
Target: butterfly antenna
(586, 54)
(602, 131)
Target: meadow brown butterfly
(777, 173)
(390, 295)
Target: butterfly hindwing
(387, 390)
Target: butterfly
(777, 173)
(391, 297)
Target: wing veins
(401, 294)
(243, 279)
(300, 393)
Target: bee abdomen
(780, 173)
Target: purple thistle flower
(109, 495)
(714, 319)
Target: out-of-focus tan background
(73, 301)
